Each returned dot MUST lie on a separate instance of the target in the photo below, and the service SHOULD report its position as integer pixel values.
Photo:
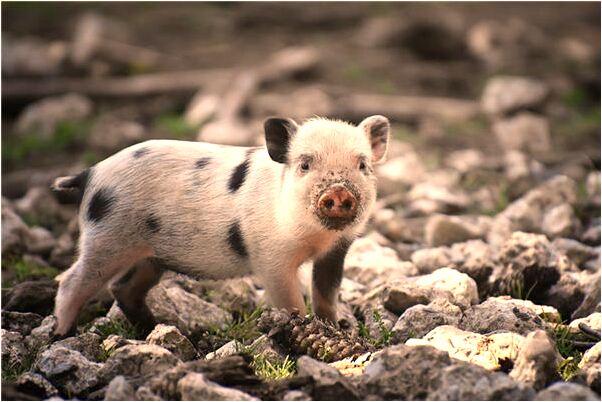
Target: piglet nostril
(347, 204)
(329, 203)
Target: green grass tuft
(385, 335)
(117, 327)
(23, 271)
(565, 343)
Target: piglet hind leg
(90, 273)
(130, 293)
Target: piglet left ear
(377, 129)
(278, 133)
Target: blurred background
(485, 99)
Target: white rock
(503, 94)
(525, 132)
(195, 387)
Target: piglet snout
(337, 202)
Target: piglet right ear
(278, 133)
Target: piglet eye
(304, 166)
(362, 165)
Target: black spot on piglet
(100, 205)
(201, 163)
(239, 175)
(236, 240)
(153, 224)
(140, 152)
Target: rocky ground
(479, 274)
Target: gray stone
(419, 320)
(465, 160)
(14, 231)
(42, 334)
(138, 363)
(43, 116)
(592, 187)
(561, 221)
(444, 230)
(13, 349)
(68, 370)
(504, 94)
(35, 384)
(465, 382)
(195, 387)
(39, 240)
(144, 393)
(229, 349)
(577, 252)
(171, 338)
(119, 389)
(525, 132)
(537, 361)
(110, 134)
(173, 305)
(591, 302)
(31, 296)
(589, 367)
(493, 315)
(428, 260)
(88, 344)
(566, 391)
(22, 323)
(296, 395)
(328, 383)
(403, 372)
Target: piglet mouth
(337, 207)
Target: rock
(114, 342)
(370, 264)
(45, 115)
(444, 230)
(418, 320)
(31, 296)
(526, 213)
(590, 367)
(22, 323)
(195, 387)
(327, 382)
(566, 391)
(13, 349)
(504, 44)
(30, 56)
(529, 265)
(475, 259)
(189, 313)
(592, 188)
(42, 334)
(14, 231)
(537, 361)
(592, 321)
(35, 385)
(238, 294)
(591, 302)
(296, 395)
(445, 283)
(170, 338)
(144, 393)
(88, 344)
(465, 160)
(63, 253)
(119, 389)
(109, 134)
(378, 319)
(403, 372)
(522, 172)
(39, 241)
(138, 363)
(68, 370)
(525, 132)
(226, 132)
(462, 288)
(568, 293)
(229, 349)
(505, 94)
(561, 221)
(427, 198)
(490, 352)
(547, 313)
(577, 252)
(465, 382)
(41, 206)
(494, 315)
(405, 170)
(353, 366)
(428, 260)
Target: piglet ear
(278, 133)
(377, 129)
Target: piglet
(215, 212)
